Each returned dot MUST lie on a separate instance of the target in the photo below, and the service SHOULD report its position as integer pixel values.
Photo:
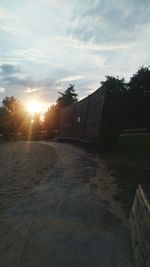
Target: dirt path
(68, 220)
(23, 165)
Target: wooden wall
(139, 221)
(98, 118)
(80, 118)
(94, 115)
(83, 120)
(66, 121)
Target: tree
(50, 121)
(4, 122)
(16, 114)
(139, 84)
(114, 90)
(139, 97)
(114, 86)
(68, 97)
(3, 112)
(11, 104)
(36, 125)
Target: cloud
(8, 69)
(109, 22)
(91, 38)
(25, 87)
(72, 78)
(90, 45)
(13, 30)
(2, 90)
(54, 3)
(35, 54)
(25, 82)
(4, 13)
(31, 90)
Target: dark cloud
(16, 81)
(45, 87)
(17, 86)
(8, 69)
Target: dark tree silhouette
(11, 104)
(4, 122)
(139, 84)
(16, 115)
(3, 111)
(114, 90)
(114, 86)
(36, 125)
(139, 97)
(50, 121)
(68, 97)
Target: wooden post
(139, 222)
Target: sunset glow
(34, 106)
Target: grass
(130, 164)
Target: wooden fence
(92, 119)
(139, 221)
(99, 118)
(83, 119)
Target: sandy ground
(70, 219)
(22, 166)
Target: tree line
(132, 99)
(15, 120)
(128, 103)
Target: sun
(34, 106)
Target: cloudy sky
(47, 44)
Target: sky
(47, 44)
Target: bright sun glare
(34, 107)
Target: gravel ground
(22, 166)
(69, 219)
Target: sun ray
(34, 106)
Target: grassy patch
(130, 164)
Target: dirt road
(68, 220)
(23, 165)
